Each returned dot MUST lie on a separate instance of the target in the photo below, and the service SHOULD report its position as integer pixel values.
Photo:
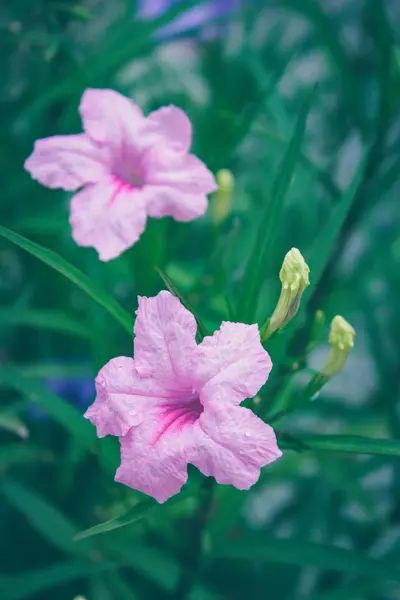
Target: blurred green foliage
(300, 100)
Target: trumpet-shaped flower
(126, 167)
(177, 402)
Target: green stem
(194, 549)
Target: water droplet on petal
(247, 434)
(241, 452)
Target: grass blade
(25, 585)
(321, 250)
(138, 511)
(51, 320)
(63, 413)
(43, 517)
(294, 552)
(73, 274)
(127, 518)
(270, 219)
(201, 328)
(343, 443)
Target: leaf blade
(53, 260)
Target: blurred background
(318, 525)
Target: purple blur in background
(79, 391)
(194, 19)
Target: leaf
(343, 443)
(47, 520)
(12, 454)
(294, 552)
(73, 274)
(26, 584)
(329, 34)
(270, 220)
(46, 319)
(202, 329)
(63, 413)
(321, 250)
(12, 423)
(138, 511)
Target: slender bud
(341, 338)
(221, 204)
(294, 278)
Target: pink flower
(178, 402)
(128, 167)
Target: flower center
(177, 416)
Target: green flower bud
(294, 278)
(341, 338)
(221, 204)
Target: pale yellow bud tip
(79, 598)
(221, 204)
(341, 338)
(225, 180)
(294, 279)
(294, 271)
(341, 334)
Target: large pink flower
(178, 402)
(128, 166)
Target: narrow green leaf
(62, 412)
(138, 511)
(329, 35)
(294, 552)
(342, 443)
(10, 422)
(350, 591)
(47, 520)
(27, 584)
(270, 220)
(324, 243)
(46, 319)
(202, 329)
(73, 274)
(135, 513)
(13, 454)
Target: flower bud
(294, 278)
(221, 203)
(341, 338)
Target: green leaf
(27, 584)
(47, 520)
(73, 274)
(12, 423)
(62, 412)
(294, 552)
(342, 443)
(270, 220)
(51, 320)
(329, 35)
(12, 454)
(321, 250)
(138, 511)
(202, 329)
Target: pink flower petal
(110, 118)
(232, 361)
(173, 124)
(152, 454)
(124, 398)
(169, 201)
(67, 161)
(165, 340)
(109, 216)
(231, 444)
(183, 172)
